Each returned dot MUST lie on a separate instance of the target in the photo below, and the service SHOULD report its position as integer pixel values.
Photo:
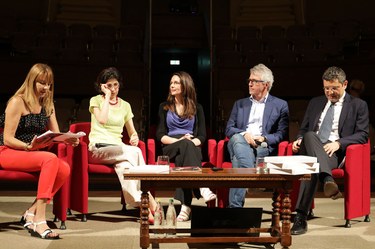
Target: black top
(199, 126)
(29, 126)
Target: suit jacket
(275, 120)
(353, 122)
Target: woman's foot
(27, 220)
(41, 230)
(207, 194)
(151, 217)
(184, 214)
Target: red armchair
(357, 183)
(223, 161)
(60, 200)
(81, 169)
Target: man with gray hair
(331, 123)
(256, 126)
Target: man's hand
(250, 140)
(296, 145)
(259, 139)
(331, 148)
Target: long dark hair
(189, 96)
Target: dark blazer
(353, 122)
(199, 125)
(275, 120)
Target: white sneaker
(207, 194)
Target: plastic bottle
(159, 221)
(171, 217)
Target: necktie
(326, 127)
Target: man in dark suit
(256, 126)
(348, 123)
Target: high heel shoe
(24, 222)
(45, 234)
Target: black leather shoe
(332, 190)
(299, 226)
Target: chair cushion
(9, 175)
(338, 173)
(101, 169)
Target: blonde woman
(30, 112)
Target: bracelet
(134, 134)
(27, 146)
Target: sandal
(184, 214)
(27, 223)
(45, 234)
(207, 194)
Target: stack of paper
(157, 169)
(292, 165)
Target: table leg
(275, 225)
(286, 238)
(144, 209)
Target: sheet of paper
(157, 169)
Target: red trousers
(53, 170)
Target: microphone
(261, 144)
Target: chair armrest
(212, 151)
(357, 161)
(151, 151)
(77, 157)
(142, 146)
(220, 153)
(283, 148)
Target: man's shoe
(299, 226)
(332, 190)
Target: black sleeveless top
(29, 126)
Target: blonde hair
(27, 91)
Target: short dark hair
(107, 74)
(333, 73)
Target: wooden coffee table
(234, 178)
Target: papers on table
(147, 169)
(191, 169)
(292, 165)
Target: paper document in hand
(292, 165)
(58, 136)
(157, 169)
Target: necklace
(115, 103)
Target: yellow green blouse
(111, 131)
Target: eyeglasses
(253, 81)
(331, 88)
(114, 85)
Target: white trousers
(122, 157)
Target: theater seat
(60, 200)
(81, 169)
(357, 184)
